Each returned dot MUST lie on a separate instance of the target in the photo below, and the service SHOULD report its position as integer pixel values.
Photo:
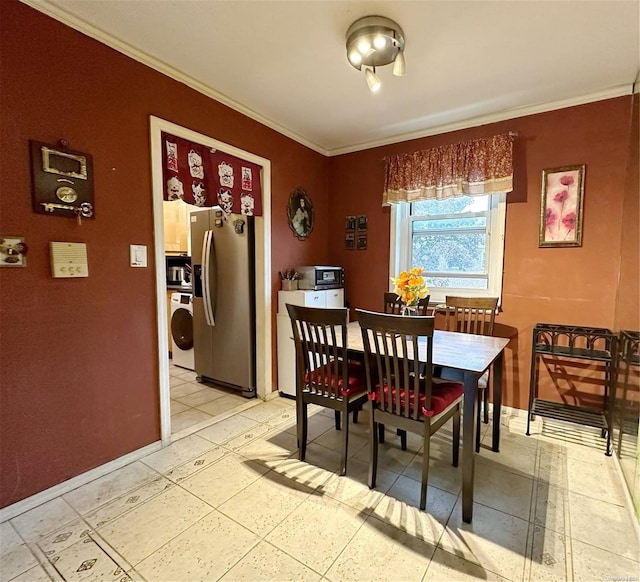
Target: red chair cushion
(324, 376)
(442, 396)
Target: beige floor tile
(502, 490)
(110, 486)
(442, 474)
(202, 461)
(353, 489)
(177, 453)
(58, 541)
(590, 563)
(182, 388)
(552, 467)
(224, 479)
(177, 407)
(9, 538)
(271, 409)
(400, 508)
(445, 567)
(16, 561)
(318, 424)
(271, 449)
(223, 431)
(512, 458)
(43, 519)
(546, 556)
(317, 531)
(140, 532)
(188, 375)
(390, 456)
(223, 404)
(187, 419)
(598, 481)
(369, 555)
(127, 502)
(87, 561)
(266, 562)
(200, 397)
(603, 525)
(205, 551)
(35, 574)
(257, 432)
(332, 439)
(494, 540)
(249, 508)
(550, 507)
(175, 381)
(304, 473)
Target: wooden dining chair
(393, 304)
(324, 374)
(473, 315)
(412, 402)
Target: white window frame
(400, 250)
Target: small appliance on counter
(320, 277)
(178, 272)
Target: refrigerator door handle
(207, 243)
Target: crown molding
(612, 93)
(81, 25)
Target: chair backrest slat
(392, 345)
(474, 315)
(320, 337)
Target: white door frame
(263, 263)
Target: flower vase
(409, 310)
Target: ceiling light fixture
(375, 41)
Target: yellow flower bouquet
(410, 286)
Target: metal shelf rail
(627, 407)
(581, 343)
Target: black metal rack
(581, 343)
(628, 357)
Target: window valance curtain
(204, 177)
(471, 168)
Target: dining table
(465, 357)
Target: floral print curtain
(471, 168)
(205, 177)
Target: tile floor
(232, 502)
(194, 404)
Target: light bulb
(364, 46)
(372, 80)
(379, 42)
(355, 58)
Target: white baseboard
(23, 505)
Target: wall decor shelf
(563, 342)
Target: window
(459, 242)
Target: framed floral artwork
(561, 207)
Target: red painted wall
(79, 358)
(575, 286)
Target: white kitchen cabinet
(286, 346)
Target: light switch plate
(138, 254)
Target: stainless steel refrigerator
(224, 331)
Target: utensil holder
(289, 285)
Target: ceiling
(284, 62)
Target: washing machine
(181, 325)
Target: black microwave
(320, 277)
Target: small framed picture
(12, 251)
(350, 241)
(362, 222)
(362, 241)
(350, 223)
(561, 207)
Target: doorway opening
(262, 264)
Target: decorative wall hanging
(204, 177)
(300, 213)
(62, 180)
(561, 207)
(350, 223)
(350, 241)
(12, 251)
